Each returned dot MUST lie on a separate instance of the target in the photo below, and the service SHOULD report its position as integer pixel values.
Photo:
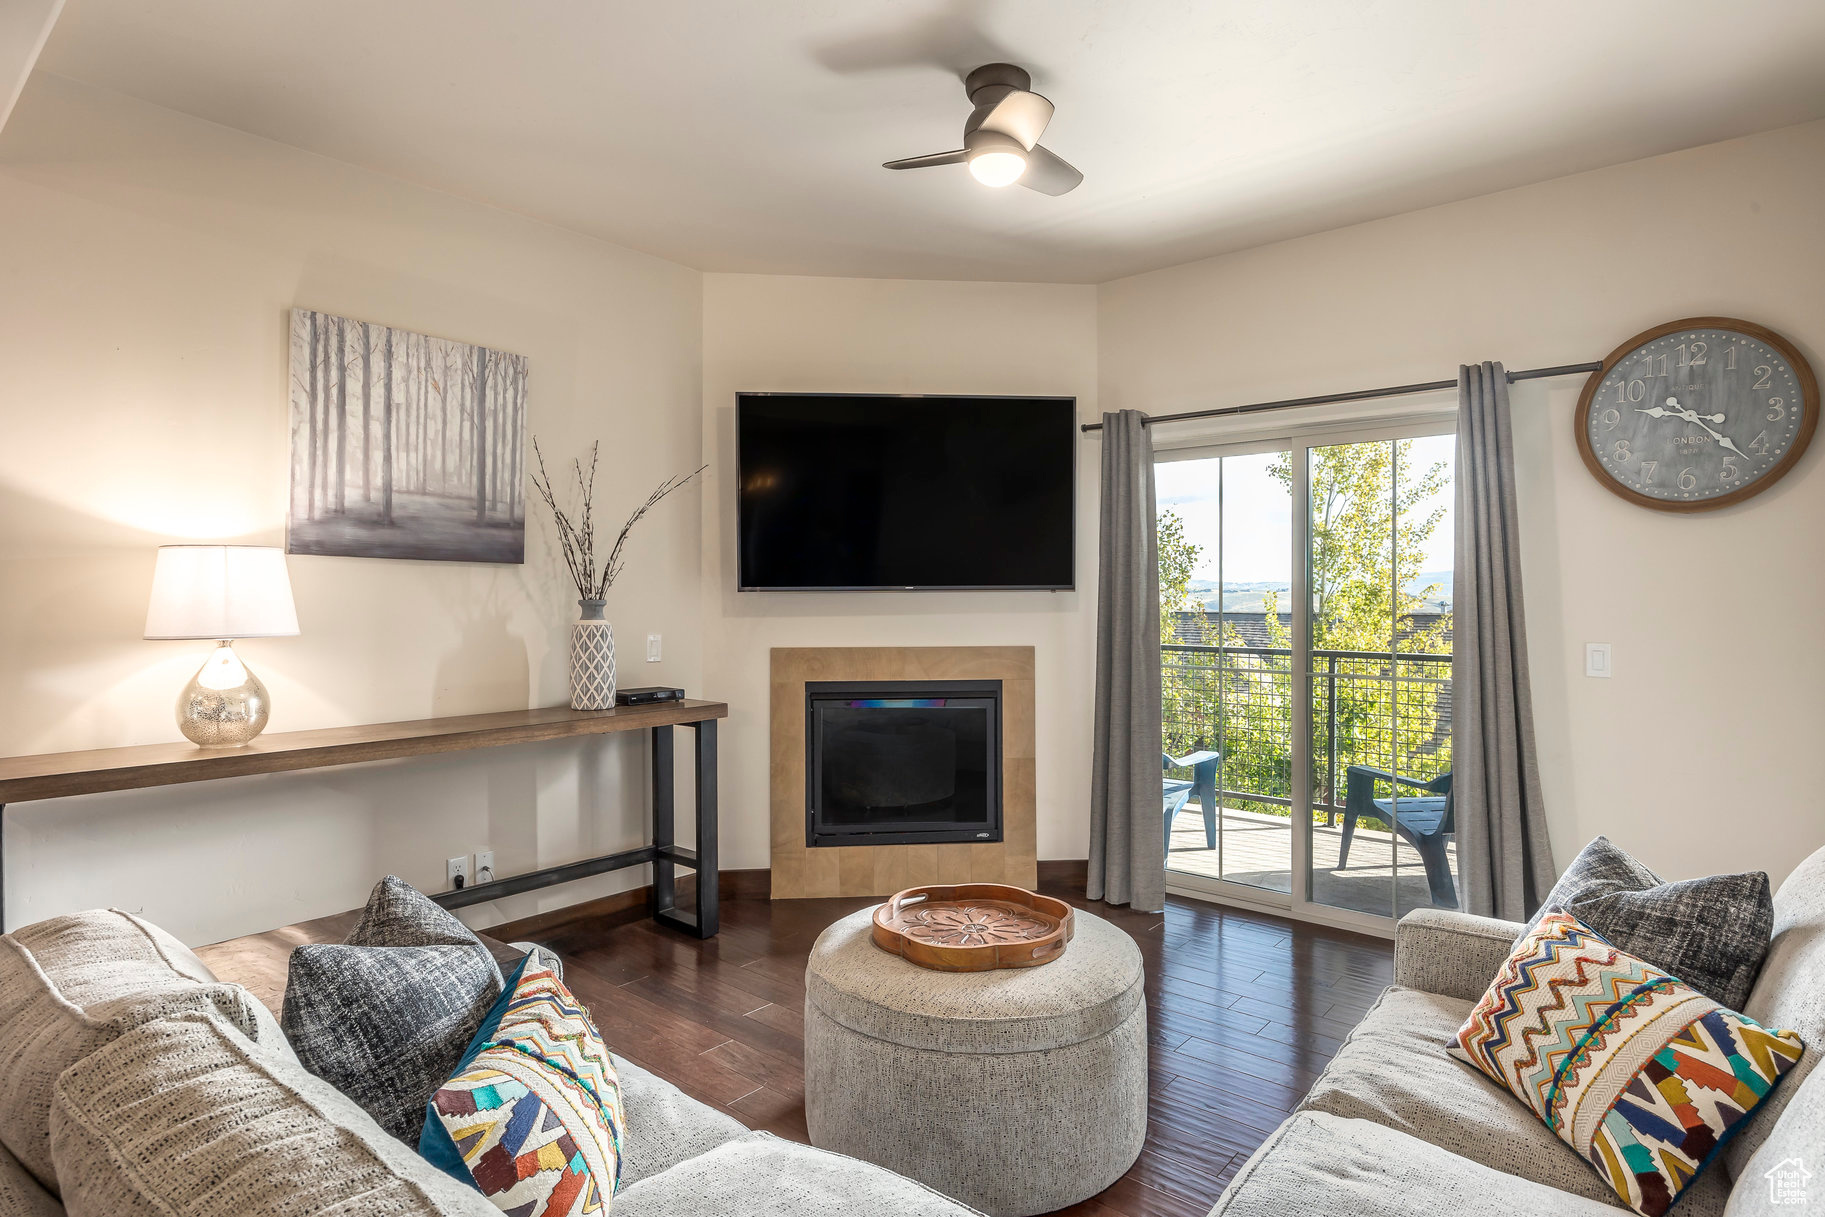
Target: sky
(1256, 542)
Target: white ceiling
(747, 135)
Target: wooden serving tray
(973, 927)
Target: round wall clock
(1697, 414)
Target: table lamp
(223, 592)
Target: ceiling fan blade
(1019, 114)
(1049, 173)
(925, 162)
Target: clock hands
(1657, 412)
(1692, 416)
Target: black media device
(854, 492)
(646, 695)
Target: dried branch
(567, 534)
(577, 538)
(613, 566)
(586, 539)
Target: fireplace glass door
(896, 762)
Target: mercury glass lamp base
(224, 705)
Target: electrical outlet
(484, 866)
(456, 872)
(652, 648)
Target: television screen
(882, 492)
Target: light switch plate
(1597, 659)
(652, 648)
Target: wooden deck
(1257, 850)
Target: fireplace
(899, 762)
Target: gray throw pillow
(399, 915)
(1711, 933)
(384, 1017)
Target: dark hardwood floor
(1244, 1010)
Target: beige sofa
(132, 1081)
(1395, 1128)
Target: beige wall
(1702, 753)
(895, 336)
(148, 264)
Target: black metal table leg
(704, 920)
(665, 833)
(709, 905)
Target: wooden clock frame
(1809, 392)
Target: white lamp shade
(221, 591)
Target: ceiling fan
(1001, 135)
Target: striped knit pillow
(1642, 1075)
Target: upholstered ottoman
(1017, 1091)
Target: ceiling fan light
(998, 166)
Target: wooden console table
(59, 775)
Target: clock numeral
(1730, 472)
(1693, 357)
(1759, 445)
(1777, 409)
(1628, 391)
(1621, 451)
(1647, 471)
(1650, 367)
(1611, 417)
(1686, 480)
(1730, 358)
(1764, 376)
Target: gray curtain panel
(1127, 856)
(1504, 859)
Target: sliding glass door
(1306, 673)
(1225, 531)
(1378, 557)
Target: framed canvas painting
(404, 445)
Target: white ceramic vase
(592, 659)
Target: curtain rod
(1262, 407)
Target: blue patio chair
(1423, 820)
(1202, 786)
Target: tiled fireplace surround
(881, 870)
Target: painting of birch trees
(404, 445)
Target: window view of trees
(1381, 637)
(404, 445)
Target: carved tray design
(973, 927)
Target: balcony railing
(1391, 711)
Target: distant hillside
(1241, 597)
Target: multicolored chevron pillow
(533, 1117)
(1643, 1076)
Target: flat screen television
(858, 492)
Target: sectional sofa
(1395, 1128)
(133, 1080)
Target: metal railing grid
(1375, 708)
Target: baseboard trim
(631, 905)
(1072, 874)
(755, 883)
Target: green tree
(1178, 559)
(1363, 495)
(1188, 679)
(1369, 529)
